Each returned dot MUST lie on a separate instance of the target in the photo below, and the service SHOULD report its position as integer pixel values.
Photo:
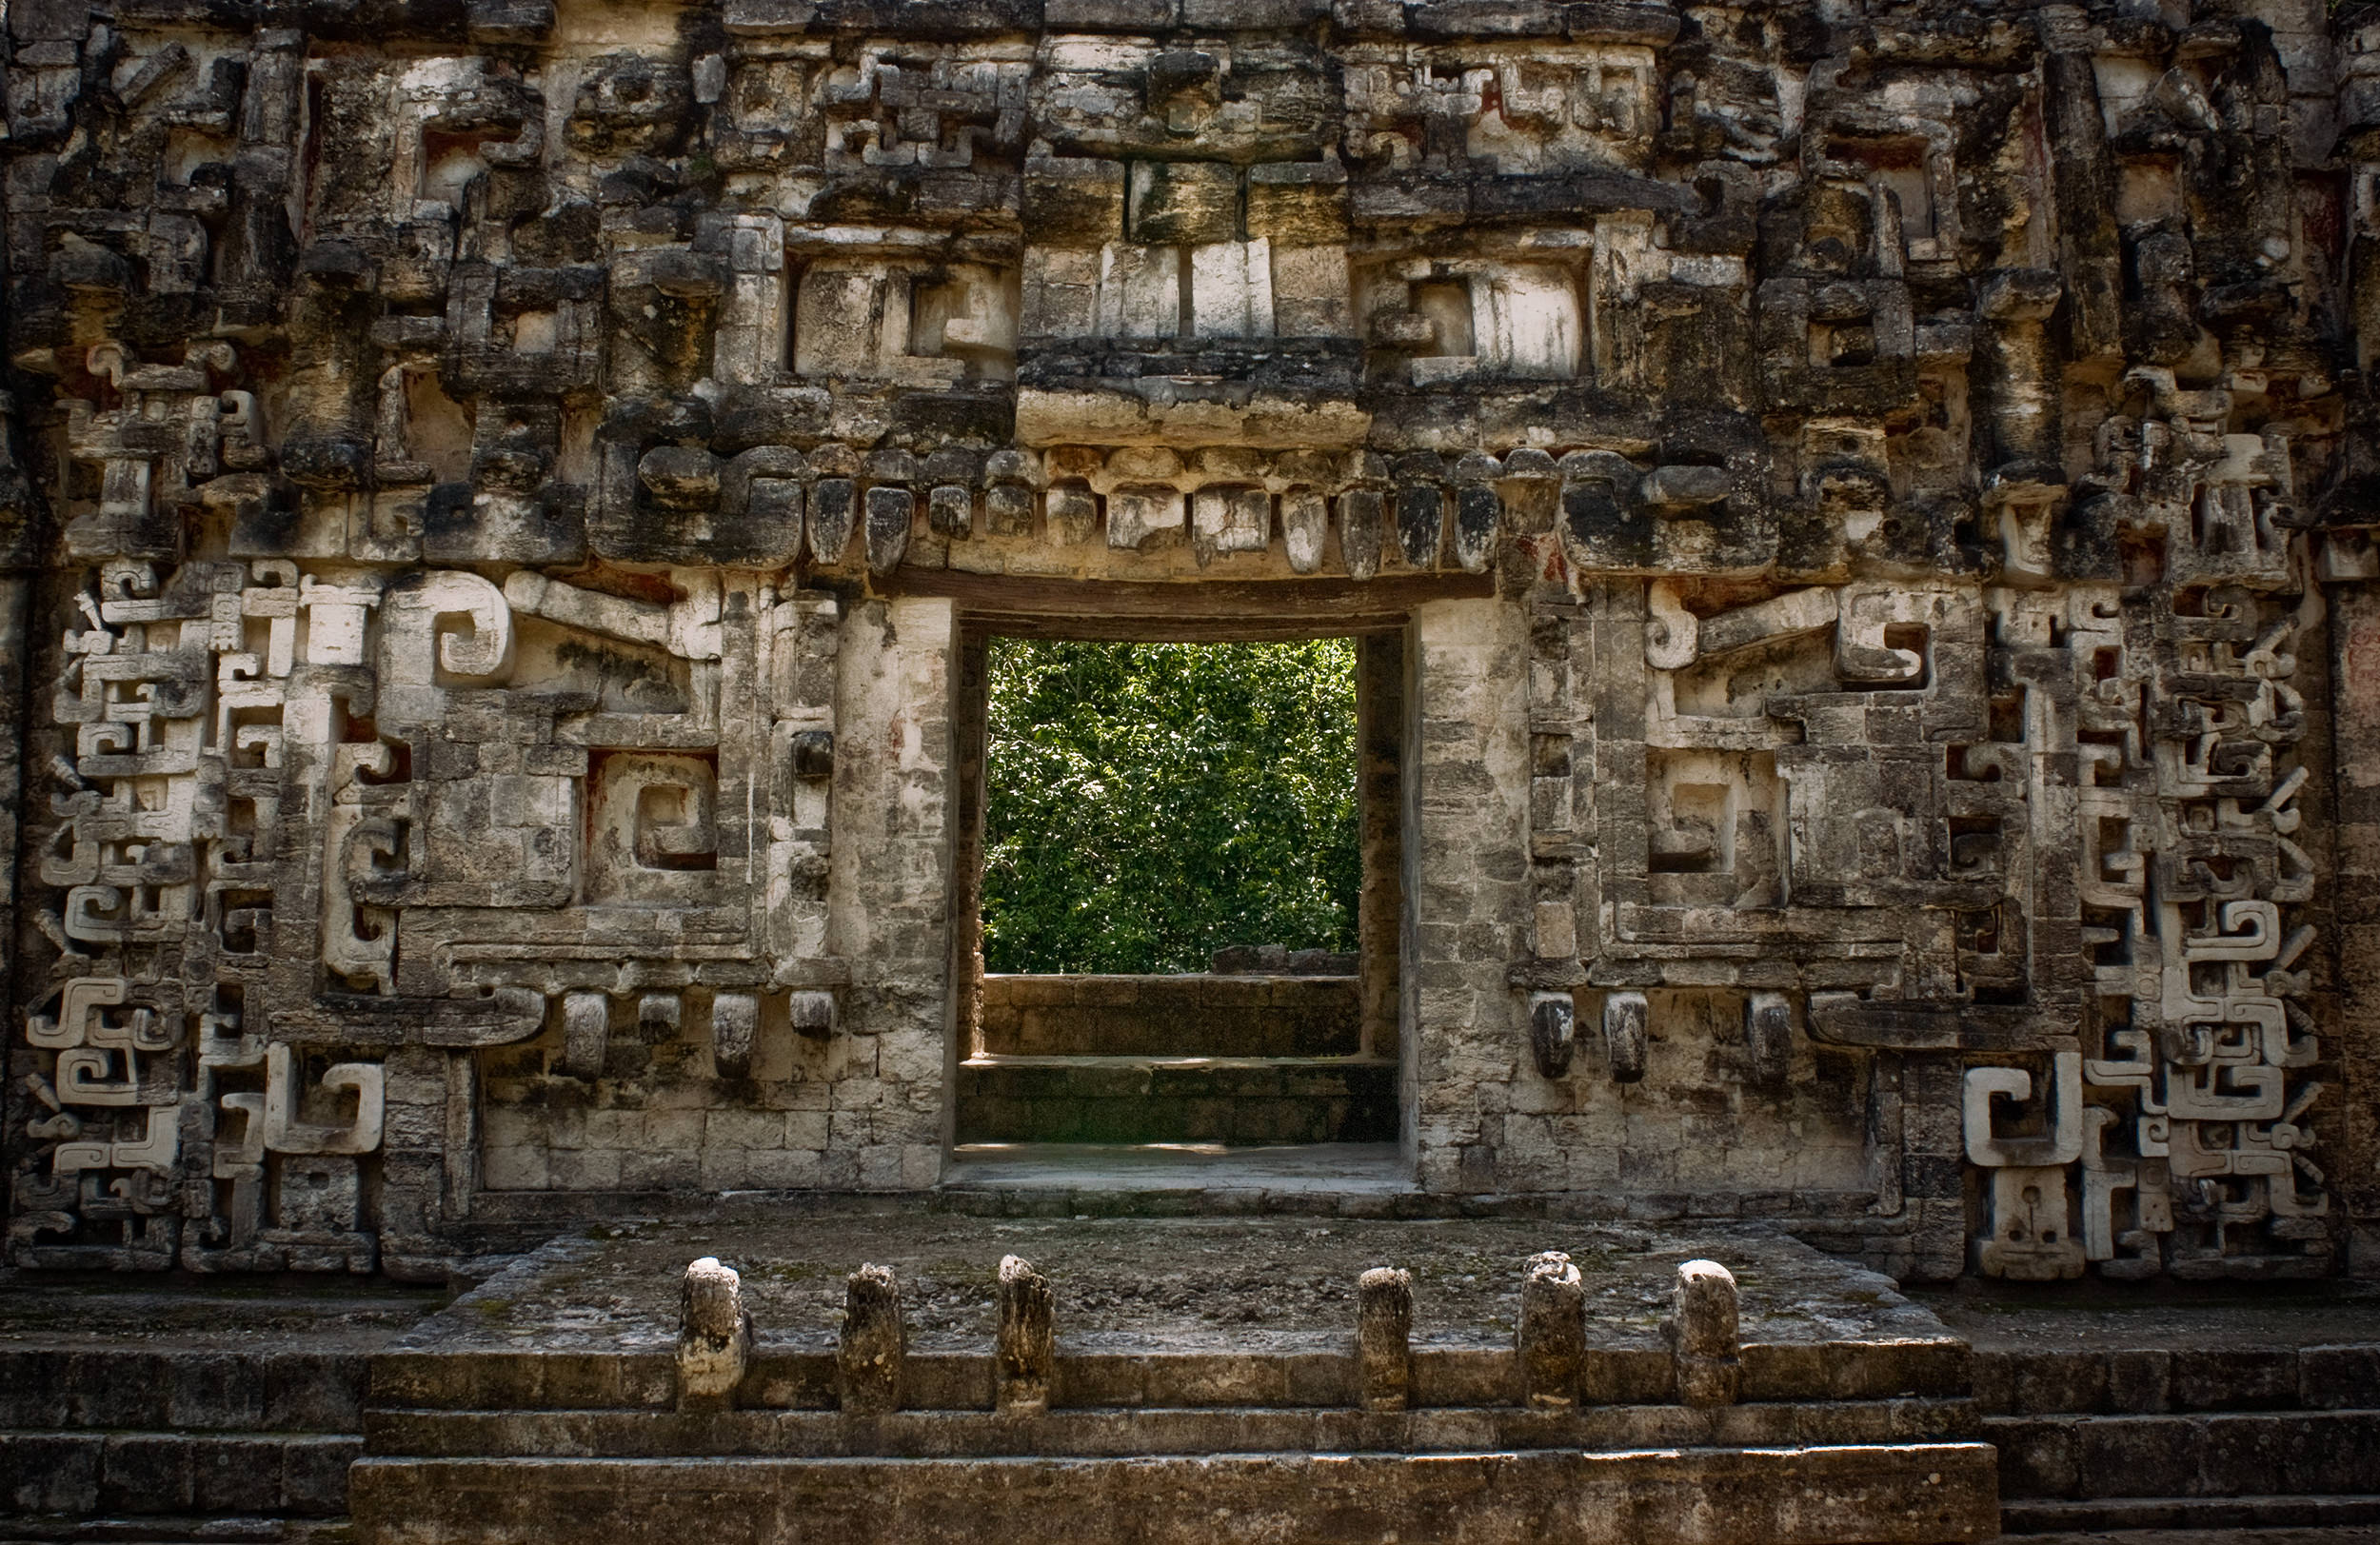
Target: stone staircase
(1242, 1060)
(569, 1448)
(580, 1399)
(2156, 1446)
(556, 1404)
(133, 1444)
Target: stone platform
(1203, 1364)
(1205, 1385)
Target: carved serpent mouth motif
(1863, 498)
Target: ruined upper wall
(479, 471)
(1744, 291)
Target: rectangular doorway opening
(1181, 896)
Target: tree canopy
(1149, 803)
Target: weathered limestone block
(586, 1033)
(1553, 1032)
(1880, 504)
(1552, 1331)
(1626, 1021)
(714, 1336)
(1769, 1034)
(1183, 202)
(873, 1343)
(1703, 1334)
(1384, 1337)
(1027, 1338)
(734, 1026)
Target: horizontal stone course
(189, 1390)
(1784, 1496)
(2102, 1381)
(2186, 1516)
(1144, 1430)
(2231, 1453)
(84, 1474)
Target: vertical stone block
(1027, 1338)
(1626, 1023)
(1553, 1032)
(1769, 1031)
(1184, 203)
(1073, 513)
(873, 1343)
(1359, 519)
(714, 1336)
(1703, 1334)
(1306, 518)
(1420, 523)
(1478, 511)
(834, 516)
(890, 511)
(1552, 1332)
(1225, 519)
(586, 1033)
(950, 509)
(658, 1018)
(1384, 1337)
(735, 1026)
(1139, 518)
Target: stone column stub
(873, 1345)
(1704, 1335)
(1552, 1331)
(1025, 1354)
(714, 1336)
(1384, 1337)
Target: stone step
(2217, 1455)
(186, 1390)
(2130, 1519)
(2154, 1381)
(802, 1378)
(1091, 1179)
(1883, 1493)
(1245, 1100)
(77, 1474)
(1151, 1432)
(1171, 1015)
(2345, 1534)
(176, 1531)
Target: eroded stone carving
(497, 488)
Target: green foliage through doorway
(1149, 803)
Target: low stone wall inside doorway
(1194, 1058)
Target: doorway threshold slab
(1320, 1171)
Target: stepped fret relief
(1860, 524)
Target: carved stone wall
(495, 492)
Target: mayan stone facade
(1862, 510)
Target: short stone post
(1384, 1337)
(1704, 1335)
(874, 1342)
(714, 1336)
(1552, 1331)
(1028, 1346)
